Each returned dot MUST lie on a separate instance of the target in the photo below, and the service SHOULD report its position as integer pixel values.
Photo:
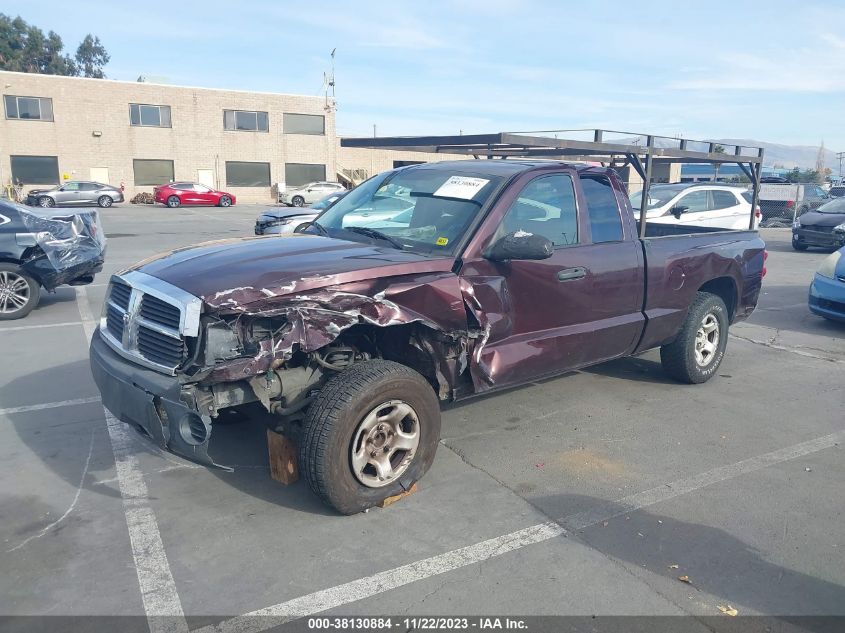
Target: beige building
(141, 134)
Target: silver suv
(311, 192)
(75, 192)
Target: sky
(771, 71)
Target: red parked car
(175, 194)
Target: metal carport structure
(641, 151)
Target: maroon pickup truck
(426, 284)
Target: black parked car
(823, 227)
(45, 249)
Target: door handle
(568, 274)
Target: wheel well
(724, 288)
(411, 344)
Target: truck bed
(681, 260)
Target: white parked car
(311, 192)
(282, 220)
(707, 204)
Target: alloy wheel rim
(14, 292)
(707, 340)
(44, 202)
(385, 443)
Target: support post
(646, 184)
(756, 171)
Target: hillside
(789, 156)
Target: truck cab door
(580, 306)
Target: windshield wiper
(363, 230)
(320, 228)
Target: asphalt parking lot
(586, 494)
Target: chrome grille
(114, 321)
(160, 348)
(119, 295)
(158, 311)
(148, 320)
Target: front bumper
(159, 405)
(274, 228)
(827, 298)
(811, 237)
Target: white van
(698, 204)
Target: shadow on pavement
(715, 561)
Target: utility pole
(840, 156)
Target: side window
(546, 206)
(71, 186)
(605, 221)
(723, 199)
(694, 201)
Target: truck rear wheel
(371, 433)
(695, 355)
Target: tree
(91, 56)
(25, 48)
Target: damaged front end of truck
(277, 345)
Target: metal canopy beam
(524, 145)
(527, 145)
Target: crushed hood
(236, 272)
(815, 218)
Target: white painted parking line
(269, 617)
(18, 328)
(631, 503)
(49, 405)
(162, 605)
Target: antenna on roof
(328, 83)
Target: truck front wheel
(371, 433)
(695, 355)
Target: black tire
(225, 201)
(798, 246)
(298, 201)
(12, 275)
(105, 201)
(679, 357)
(334, 417)
(46, 202)
(173, 202)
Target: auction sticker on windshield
(463, 187)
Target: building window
(35, 170)
(152, 172)
(149, 115)
(31, 108)
(302, 173)
(245, 121)
(304, 124)
(241, 174)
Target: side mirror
(678, 210)
(520, 245)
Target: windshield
(834, 206)
(657, 197)
(324, 203)
(423, 209)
